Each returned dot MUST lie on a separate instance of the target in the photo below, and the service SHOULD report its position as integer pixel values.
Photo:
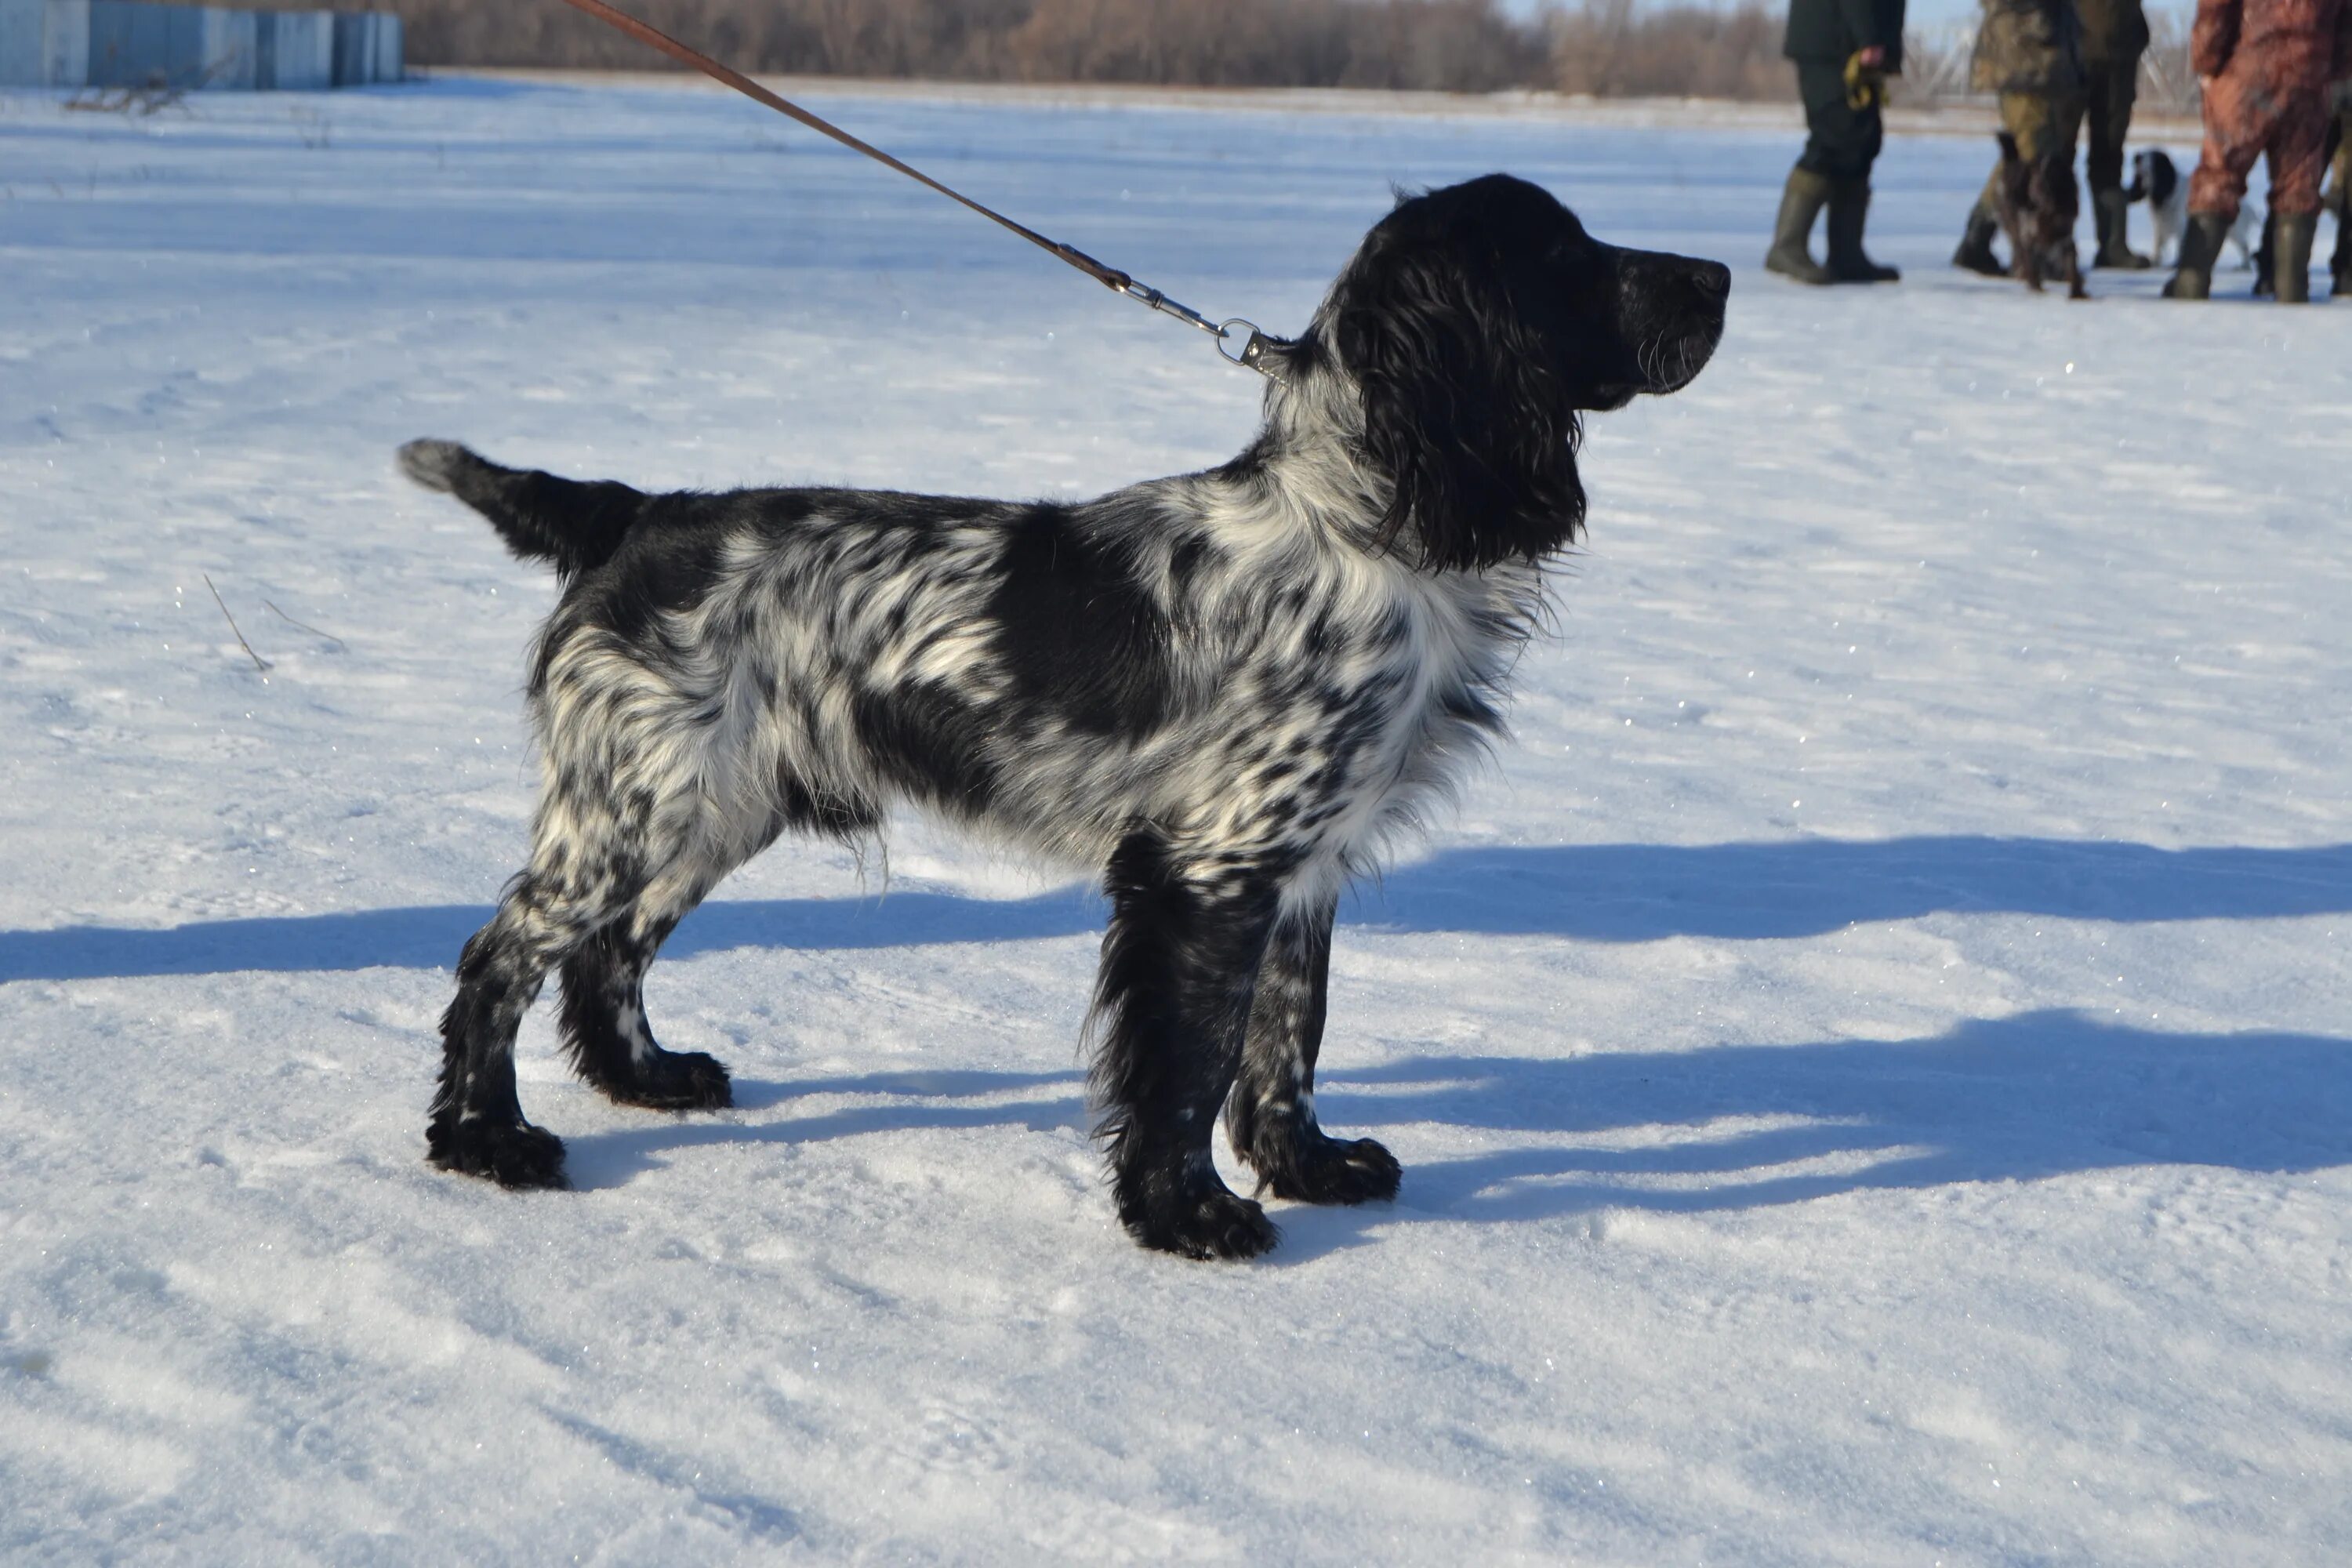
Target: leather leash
(1250, 355)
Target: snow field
(1871, 1060)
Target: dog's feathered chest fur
(1232, 656)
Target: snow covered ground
(1872, 1063)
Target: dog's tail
(541, 517)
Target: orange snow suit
(2269, 63)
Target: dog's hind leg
(477, 1125)
(611, 873)
(604, 1020)
(1173, 1000)
(1271, 1117)
(604, 1025)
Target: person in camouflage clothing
(2336, 198)
(2030, 53)
(2115, 36)
(2265, 65)
(1845, 51)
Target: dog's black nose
(1712, 279)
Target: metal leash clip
(1249, 355)
(1252, 355)
(1167, 307)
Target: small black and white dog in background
(2158, 181)
(1224, 691)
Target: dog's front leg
(1271, 1117)
(1173, 1000)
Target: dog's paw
(434, 464)
(512, 1153)
(677, 1080)
(1200, 1219)
(1322, 1169)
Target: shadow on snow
(1729, 1127)
(1608, 892)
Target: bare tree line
(1467, 46)
(1602, 46)
(1607, 48)
(1623, 48)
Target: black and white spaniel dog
(1222, 691)
(2158, 181)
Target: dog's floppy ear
(1464, 409)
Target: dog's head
(1478, 322)
(2154, 177)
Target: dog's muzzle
(1673, 315)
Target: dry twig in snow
(260, 663)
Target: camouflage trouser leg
(2261, 104)
(2042, 123)
(2110, 89)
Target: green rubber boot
(1849, 207)
(1975, 254)
(2199, 249)
(2292, 276)
(1801, 202)
(2108, 208)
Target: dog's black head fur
(2154, 177)
(1479, 322)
